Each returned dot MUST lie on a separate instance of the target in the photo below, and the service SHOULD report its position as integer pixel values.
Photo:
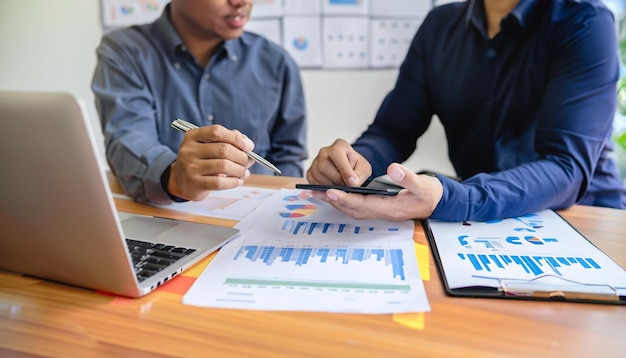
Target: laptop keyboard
(149, 258)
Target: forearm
(140, 179)
(527, 188)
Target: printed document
(232, 204)
(297, 253)
(538, 252)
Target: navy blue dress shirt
(528, 114)
(145, 78)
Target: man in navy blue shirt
(526, 93)
(196, 63)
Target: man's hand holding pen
(209, 158)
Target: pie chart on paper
(297, 210)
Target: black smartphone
(351, 189)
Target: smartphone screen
(351, 189)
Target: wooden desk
(50, 319)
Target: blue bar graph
(308, 228)
(301, 256)
(534, 265)
(343, 2)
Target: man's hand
(418, 200)
(209, 158)
(339, 164)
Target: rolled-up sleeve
(126, 109)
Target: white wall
(50, 45)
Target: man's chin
(232, 34)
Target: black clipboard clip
(568, 291)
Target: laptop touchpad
(146, 228)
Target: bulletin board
(322, 34)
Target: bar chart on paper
(268, 273)
(299, 227)
(297, 253)
(530, 264)
(389, 260)
(535, 249)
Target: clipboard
(539, 256)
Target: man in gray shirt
(196, 63)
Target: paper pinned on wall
(267, 8)
(303, 7)
(266, 27)
(346, 42)
(345, 7)
(399, 8)
(302, 39)
(117, 13)
(390, 40)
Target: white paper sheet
(303, 7)
(233, 204)
(346, 42)
(400, 8)
(539, 249)
(119, 13)
(345, 7)
(267, 8)
(390, 41)
(302, 39)
(296, 253)
(268, 28)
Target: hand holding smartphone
(351, 189)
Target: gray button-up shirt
(145, 78)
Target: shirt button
(210, 117)
(177, 66)
(491, 53)
(207, 77)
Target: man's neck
(495, 10)
(201, 47)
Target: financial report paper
(232, 204)
(297, 253)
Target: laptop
(57, 215)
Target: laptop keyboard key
(150, 258)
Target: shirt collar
(232, 48)
(522, 13)
(166, 33)
(171, 40)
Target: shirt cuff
(454, 201)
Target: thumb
(427, 189)
(400, 174)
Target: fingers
(339, 164)
(427, 189)
(186, 184)
(398, 173)
(209, 158)
(418, 200)
(219, 134)
(363, 207)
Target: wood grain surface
(42, 318)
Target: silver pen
(184, 126)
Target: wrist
(169, 184)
